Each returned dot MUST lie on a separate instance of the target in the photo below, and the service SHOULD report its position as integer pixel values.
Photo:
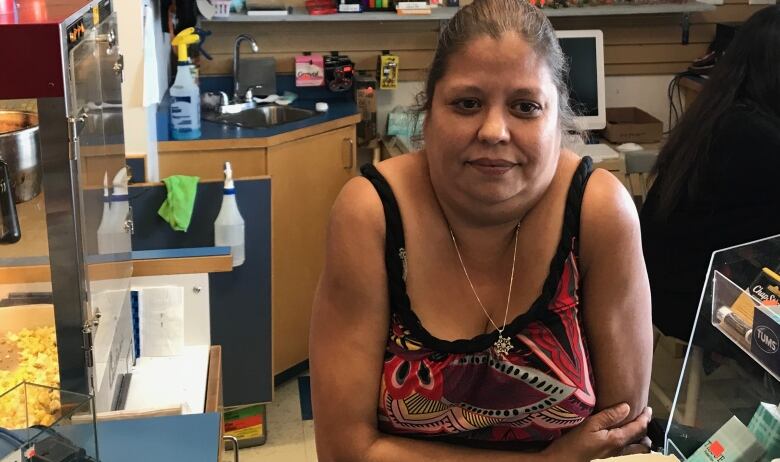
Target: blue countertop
(190, 438)
(339, 105)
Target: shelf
(145, 263)
(445, 13)
(301, 15)
(182, 261)
(625, 10)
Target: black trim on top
(399, 298)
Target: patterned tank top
(460, 391)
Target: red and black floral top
(461, 391)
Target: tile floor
(290, 439)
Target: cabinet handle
(349, 160)
(234, 441)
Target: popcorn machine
(65, 264)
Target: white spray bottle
(229, 225)
(120, 212)
(103, 232)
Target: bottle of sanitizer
(185, 94)
(229, 225)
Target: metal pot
(20, 169)
(19, 148)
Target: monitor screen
(584, 53)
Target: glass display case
(40, 423)
(725, 407)
(65, 261)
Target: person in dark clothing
(715, 181)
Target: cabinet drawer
(209, 165)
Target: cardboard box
(766, 340)
(632, 125)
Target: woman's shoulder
(359, 202)
(399, 167)
(599, 197)
(358, 208)
(600, 186)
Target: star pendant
(502, 345)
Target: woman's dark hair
(748, 72)
(494, 18)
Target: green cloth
(177, 208)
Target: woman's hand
(642, 447)
(599, 436)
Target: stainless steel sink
(261, 117)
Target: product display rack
(730, 366)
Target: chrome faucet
(236, 59)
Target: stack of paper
(412, 8)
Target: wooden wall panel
(663, 34)
(634, 45)
(653, 54)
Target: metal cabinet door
(96, 103)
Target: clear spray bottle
(229, 225)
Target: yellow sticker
(96, 14)
(247, 433)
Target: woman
(488, 292)
(716, 178)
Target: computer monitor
(584, 50)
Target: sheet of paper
(161, 321)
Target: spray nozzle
(183, 39)
(120, 182)
(228, 176)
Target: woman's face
(492, 134)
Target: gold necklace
(503, 344)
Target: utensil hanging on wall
(20, 168)
(10, 231)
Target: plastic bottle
(103, 232)
(120, 213)
(185, 94)
(229, 225)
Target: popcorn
(37, 350)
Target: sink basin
(261, 117)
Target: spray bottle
(103, 232)
(120, 213)
(229, 225)
(185, 94)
